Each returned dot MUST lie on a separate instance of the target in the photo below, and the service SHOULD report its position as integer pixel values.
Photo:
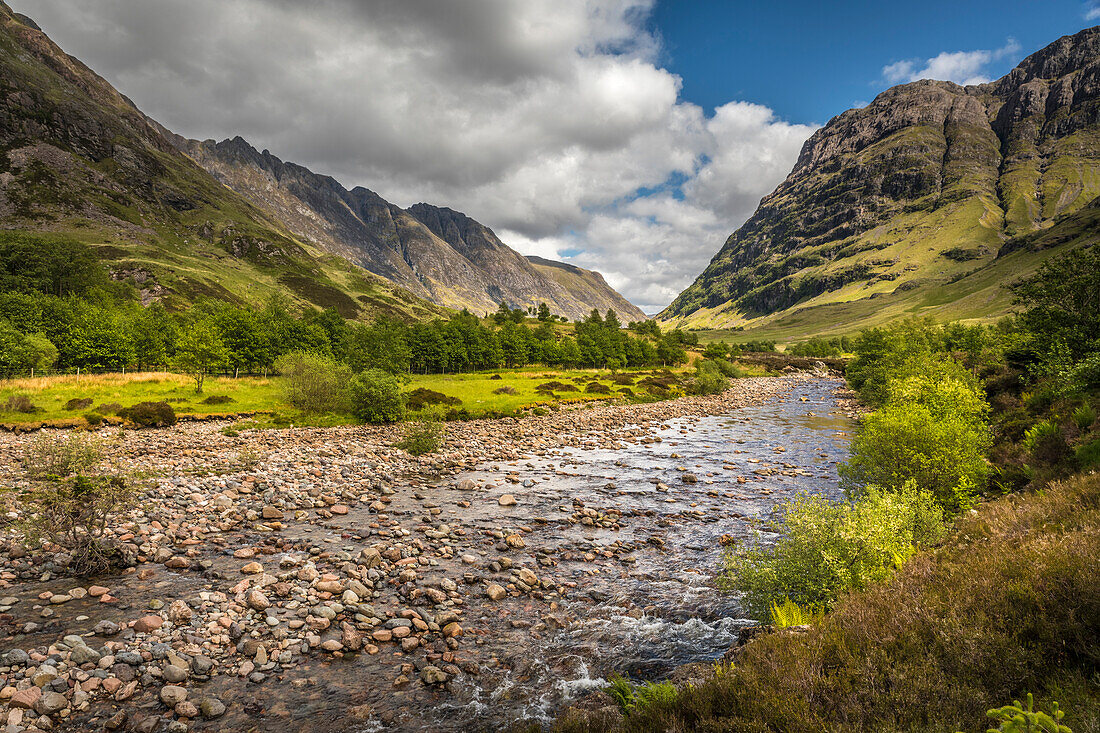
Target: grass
(480, 393)
(1008, 604)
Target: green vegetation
(73, 491)
(315, 383)
(376, 397)
(425, 434)
(829, 547)
(1016, 718)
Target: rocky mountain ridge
(905, 198)
(433, 252)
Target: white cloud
(961, 67)
(549, 120)
(1092, 10)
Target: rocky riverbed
(319, 579)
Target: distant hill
(588, 286)
(927, 200)
(433, 252)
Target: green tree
(376, 397)
(544, 313)
(199, 351)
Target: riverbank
(313, 579)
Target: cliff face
(913, 192)
(78, 161)
(435, 253)
(588, 286)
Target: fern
(790, 613)
(1015, 718)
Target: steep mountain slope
(435, 253)
(908, 201)
(589, 286)
(78, 161)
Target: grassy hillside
(79, 162)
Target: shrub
(1016, 718)
(505, 390)
(931, 431)
(78, 403)
(93, 418)
(642, 699)
(314, 383)
(597, 388)
(788, 613)
(218, 399)
(20, 403)
(108, 408)
(422, 397)
(1088, 455)
(827, 547)
(728, 369)
(424, 435)
(73, 493)
(376, 397)
(709, 379)
(1084, 416)
(150, 414)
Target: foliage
(376, 397)
(20, 403)
(1016, 718)
(425, 434)
(827, 547)
(932, 430)
(1061, 303)
(150, 414)
(821, 347)
(51, 265)
(73, 493)
(640, 699)
(314, 383)
(421, 397)
(200, 350)
(709, 379)
(788, 613)
(1084, 416)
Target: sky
(627, 136)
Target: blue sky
(809, 61)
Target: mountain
(81, 165)
(588, 286)
(927, 200)
(435, 253)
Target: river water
(643, 601)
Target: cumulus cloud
(1092, 10)
(961, 67)
(549, 120)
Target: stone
(174, 674)
(179, 612)
(50, 703)
(84, 655)
(211, 707)
(252, 568)
(271, 512)
(527, 577)
(433, 675)
(256, 600)
(331, 645)
(452, 630)
(145, 624)
(25, 699)
(495, 592)
(172, 695)
(507, 500)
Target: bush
(506, 389)
(1084, 416)
(424, 435)
(597, 388)
(78, 403)
(827, 547)
(20, 403)
(314, 383)
(108, 408)
(376, 397)
(422, 397)
(1016, 718)
(150, 414)
(709, 379)
(932, 431)
(218, 399)
(728, 369)
(73, 492)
